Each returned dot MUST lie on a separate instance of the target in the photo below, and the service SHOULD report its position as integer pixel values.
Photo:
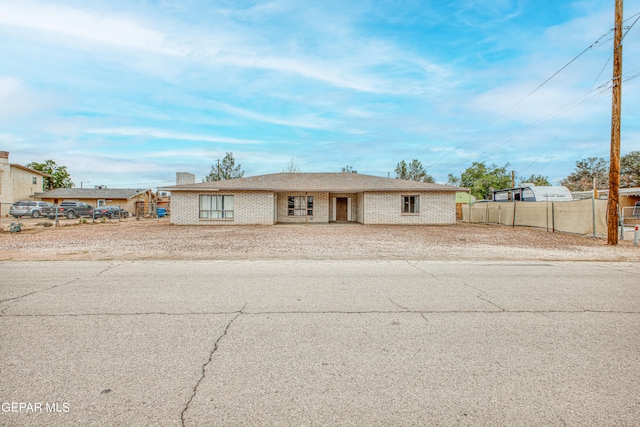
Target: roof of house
(314, 182)
(24, 168)
(90, 193)
(630, 191)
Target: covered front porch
(317, 208)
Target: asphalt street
(314, 343)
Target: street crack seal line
(398, 305)
(204, 366)
(38, 291)
(424, 271)
(356, 313)
(485, 294)
(111, 266)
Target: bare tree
(291, 167)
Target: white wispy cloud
(173, 85)
(9, 139)
(349, 67)
(486, 13)
(308, 122)
(86, 25)
(162, 134)
(19, 100)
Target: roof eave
(24, 168)
(318, 190)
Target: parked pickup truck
(68, 209)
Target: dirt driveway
(133, 239)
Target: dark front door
(341, 209)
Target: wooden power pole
(614, 161)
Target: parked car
(102, 212)
(118, 211)
(28, 208)
(69, 209)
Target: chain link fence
(630, 216)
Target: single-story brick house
(312, 198)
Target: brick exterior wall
(320, 208)
(386, 208)
(257, 207)
(360, 212)
(250, 207)
(354, 204)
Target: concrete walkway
(319, 343)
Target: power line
(598, 91)
(573, 104)
(523, 99)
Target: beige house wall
(386, 208)
(320, 209)
(267, 208)
(6, 190)
(17, 184)
(250, 207)
(23, 184)
(360, 210)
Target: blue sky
(127, 93)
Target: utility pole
(614, 162)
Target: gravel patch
(159, 240)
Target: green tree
(586, 170)
(226, 169)
(59, 175)
(630, 169)
(291, 167)
(413, 172)
(482, 180)
(536, 180)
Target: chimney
(183, 178)
(4, 157)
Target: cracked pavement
(275, 342)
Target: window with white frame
(216, 207)
(34, 180)
(410, 204)
(300, 206)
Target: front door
(341, 209)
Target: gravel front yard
(149, 239)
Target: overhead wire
(573, 104)
(522, 99)
(603, 88)
(567, 123)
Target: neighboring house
(463, 199)
(313, 198)
(17, 182)
(136, 202)
(627, 196)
